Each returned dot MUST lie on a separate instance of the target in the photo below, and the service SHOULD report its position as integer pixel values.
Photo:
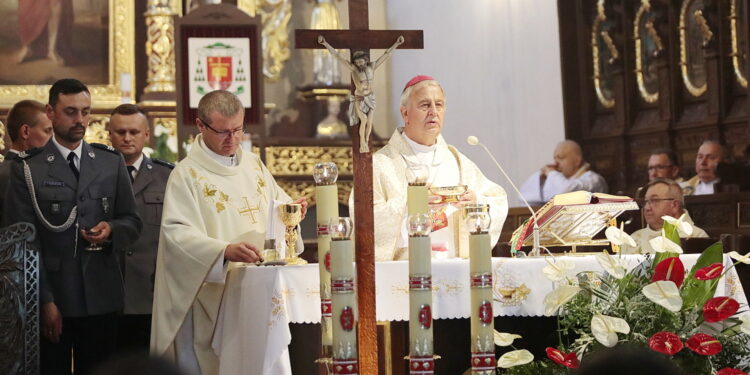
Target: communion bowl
(449, 193)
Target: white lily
(664, 293)
(745, 327)
(662, 244)
(558, 297)
(605, 329)
(684, 228)
(740, 258)
(515, 358)
(618, 237)
(557, 271)
(505, 339)
(612, 265)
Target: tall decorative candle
(344, 299)
(327, 208)
(421, 349)
(477, 220)
(416, 192)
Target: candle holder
(421, 345)
(291, 216)
(477, 220)
(326, 208)
(344, 298)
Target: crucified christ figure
(362, 103)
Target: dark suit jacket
(80, 282)
(10, 157)
(139, 259)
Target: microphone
(474, 141)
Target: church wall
(499, 63)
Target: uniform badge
(55, 208)
(92, 155)
(50, 158)
(149, 166)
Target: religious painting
(604, 54)
(695, 34)
(648, 46)
(219, 64)
(42, 41)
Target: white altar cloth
(252, 331)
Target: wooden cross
(361, 38)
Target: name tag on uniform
(54, 183)
(55, 208)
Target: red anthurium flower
(730, 371)
(704, 344)
(665, 342)
(719, 308)
(670, 269)
(568, 360)
(711, 272)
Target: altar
(259, 303)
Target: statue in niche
(331, 127)
(326, 69)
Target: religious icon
(485, 313)
(347, 318)
(425, 317)
(362, 103)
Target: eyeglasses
(652, 201)
(223, 133)
(654, 167)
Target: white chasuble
(207, 206)
(448, 167)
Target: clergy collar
(200, 154)
(399, 142)
(64, 151)
(227, 161)
(417, 147)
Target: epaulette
(28, 153)
(163, 163)
(104, 147)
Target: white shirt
(64, 151)
(14, 151)
(704, 188)
(137, 166)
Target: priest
(419, 142)
(215, 208)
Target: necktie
(131, 172)
(72, 164)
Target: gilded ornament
(97, 131)
(738, 57)
(606, 99)
(695, 89)
(160, 47)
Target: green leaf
(670, 232)
(696, 292)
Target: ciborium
(291, 216)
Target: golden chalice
(291, 216)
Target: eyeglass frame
(652, 200)
(226, 133)
(652, 167)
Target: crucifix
(360, 39)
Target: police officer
(78, 196)
(129, 132)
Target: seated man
(710, 154)
(663, 164)
(663, 198)
(569, 173)
(420, 142)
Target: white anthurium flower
(662, 244)
(740, 258)
(557, 271)
(618, 237)
(605, 329)
(664, 293)
(558, 297)
(612, 265)
(745, 327)
(515, 358)
(684, 228)
(505, 339)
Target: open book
(573, 218)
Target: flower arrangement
(658, 305)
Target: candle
(421, 349)
(416, 192)
(343, 298)
(477, 220)
(327, 207)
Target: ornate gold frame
(121, 60)
(600, 17)
(642, 89)
(735, 54)
(692, 89)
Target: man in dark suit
(78, 196)
(28, 127)
(129, 132)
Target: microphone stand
(535, 250)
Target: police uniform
(86, 286)
(139, 259)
